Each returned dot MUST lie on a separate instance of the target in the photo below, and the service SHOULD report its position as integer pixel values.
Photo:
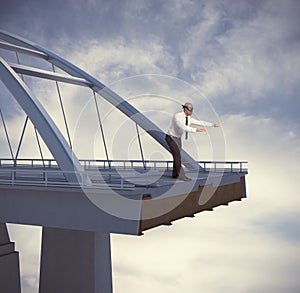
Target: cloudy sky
(243, 57)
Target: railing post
(13, 177)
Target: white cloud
(249, 60)
(120, 58)
(216, 252)
(273, 155)
(28, 242)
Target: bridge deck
(35, 192)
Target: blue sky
(244, 56)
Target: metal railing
(28, 163)
(103, 174)
(56, 178)
(225, 166)
(220, 166)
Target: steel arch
(100, 89)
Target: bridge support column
(75, 261)
(9, 264)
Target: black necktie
(186, 123)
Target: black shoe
(184, 178)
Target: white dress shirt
(177, 127)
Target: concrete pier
(9, 264)
(74, 261)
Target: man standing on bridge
(180, 124)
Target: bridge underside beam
(187, 205)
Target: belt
(172, 136)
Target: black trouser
(174, 144)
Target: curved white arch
(102, 90)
